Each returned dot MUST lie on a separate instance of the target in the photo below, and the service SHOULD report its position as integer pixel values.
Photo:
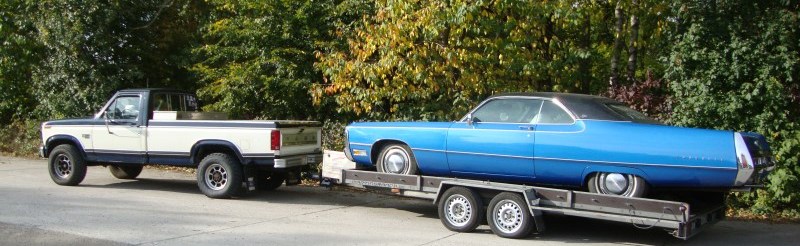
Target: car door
(559, 138)
(495, 141)
(121, 139)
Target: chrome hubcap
(458, 210)
(616, 184)
(508, 216)
(63, 166)
(395, 161)
(216, 177)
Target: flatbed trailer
(515, 210)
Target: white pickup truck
(138, 127)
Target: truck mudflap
(679, 218)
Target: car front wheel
(619, 184)
(397, 159)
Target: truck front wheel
(125, 172)
(219, 175)
(66, 165)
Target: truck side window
(124, 108)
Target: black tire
(460, 209)
(219, 175)
(509, 217)
(67, 166)
(125, 172)
(628, 185)
(267, 181)
(397, 159)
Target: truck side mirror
(106, 120)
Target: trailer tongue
(514, 210)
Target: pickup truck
(139, 127)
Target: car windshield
(630, 114)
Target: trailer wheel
(460, 209)
(125, 172)
(397, 159)
(627, 185)
(220, 176)
(66, 165)
(509, 217)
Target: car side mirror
(469, 119)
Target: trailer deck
(681, 219)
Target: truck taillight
(275, 140)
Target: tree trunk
(633, 41)
(547, 82)
(617, 43)
(585, 68)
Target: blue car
(564, 140)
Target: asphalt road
(166, 208)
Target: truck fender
(589, 170)
(217, 144)
(59, 139)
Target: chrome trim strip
(635, 163)
(362, 144)
(576, 160)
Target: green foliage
(19, 53)
(432, 60)
(20, 137)
(734, 65)
(94, 48)
(257, 57)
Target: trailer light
(275, 140)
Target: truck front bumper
(297, 160)
(42, 150)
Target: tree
(735, 65)
(257, 57)
(19, 54)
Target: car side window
(508, 111)
(552, 114)
(124, 108)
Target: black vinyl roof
(581, 105)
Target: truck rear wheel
(125, 172)
(509, 217)
(66, 165)
(397, 159)
(460, 209)
(219, 175)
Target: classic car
(564, 140)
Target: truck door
(497, 144)
(121, 139)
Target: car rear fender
(591, 170)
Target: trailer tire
(397, 159)
(620, 184)
(67, 166)
(125, 172)
(460, 209)
(219, 175)
(509, 217)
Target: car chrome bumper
(298, 160)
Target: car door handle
(527, 128)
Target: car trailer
(515, 210)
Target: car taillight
(275, 140)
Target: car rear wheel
(397, 159)
(619, 184)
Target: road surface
(166, 208)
